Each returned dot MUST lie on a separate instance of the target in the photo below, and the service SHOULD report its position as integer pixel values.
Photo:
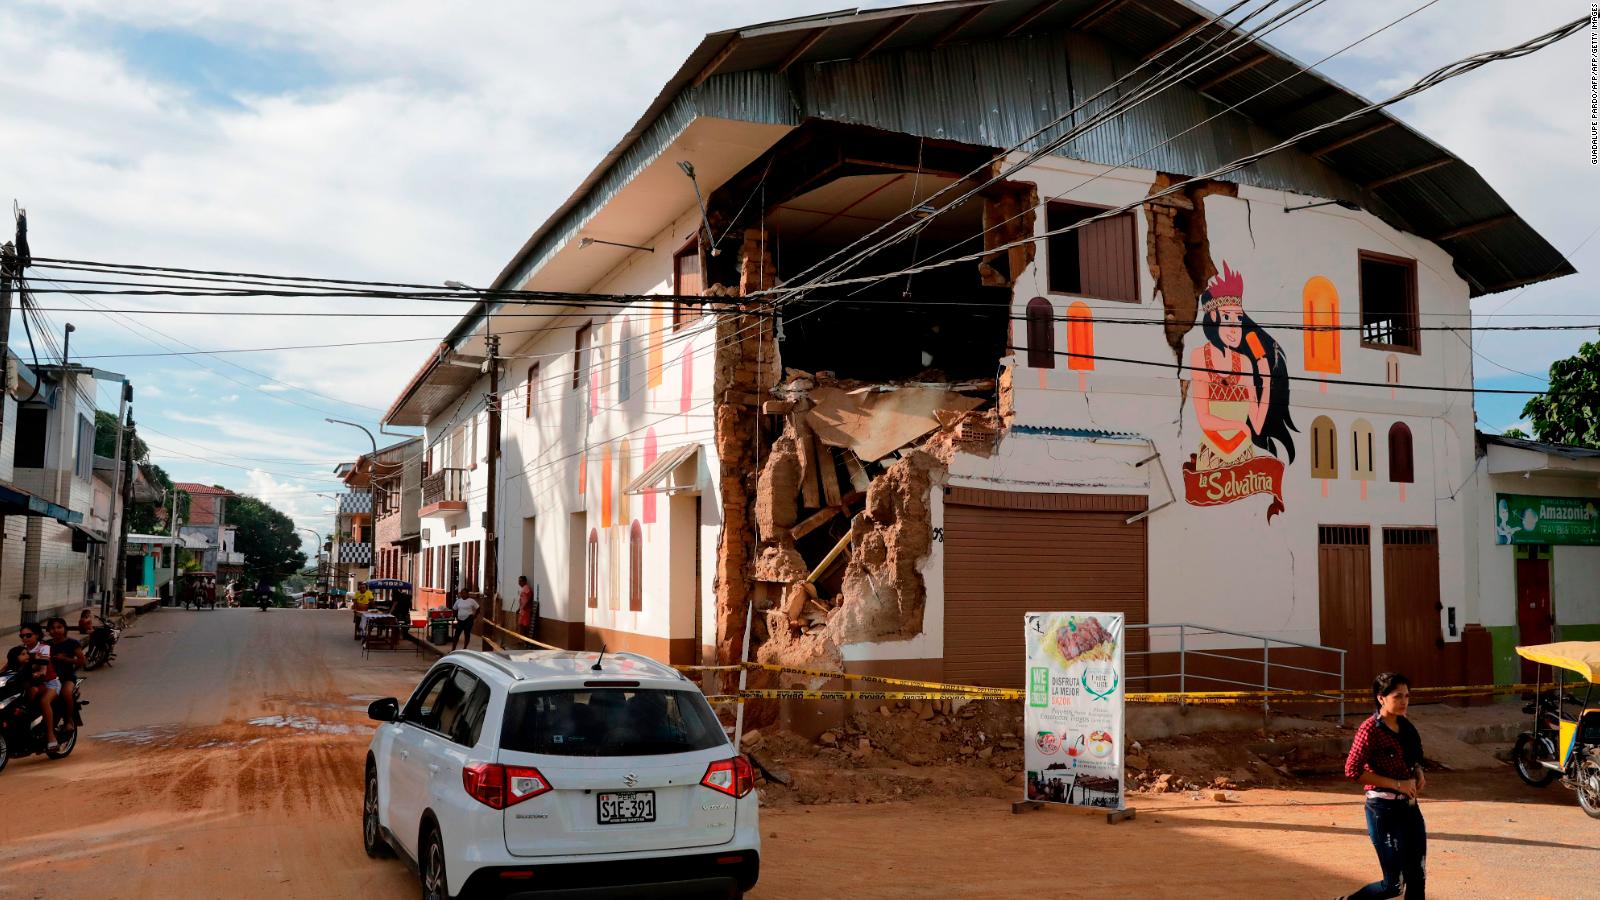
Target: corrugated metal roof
(988, 71)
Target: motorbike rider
(263, 592)
(44, 677)
(67, 656)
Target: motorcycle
(22, 729)
(1558, 745)
(263, 601)
(99, 649)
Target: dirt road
(223, 752)
(221, 758)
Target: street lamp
(314, 534)
(372, 505)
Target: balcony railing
(443, 486)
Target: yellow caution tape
(780, 694)
(525, 639)
(1217, 698)
(952, 689)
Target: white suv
(513, 774)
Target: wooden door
(1411, 603)
(1344, 591)
(1535, 614)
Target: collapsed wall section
(1178, 250)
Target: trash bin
(439, 630)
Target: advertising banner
(1520, 519)
(1073, 716)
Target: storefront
(1539, 561)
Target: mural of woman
(1241, 398)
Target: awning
(663, 474)
(1582, 657)
(88, 532)
(17, 502)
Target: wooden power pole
(491, 541)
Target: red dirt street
(222, 760)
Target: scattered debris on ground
(909, 749)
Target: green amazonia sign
(1521, 519)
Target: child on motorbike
(43, 686)
(66, 654)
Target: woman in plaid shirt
(1387, 756)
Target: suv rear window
(609, 722)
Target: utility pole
(491, 542)
(372, 497)
(120, 584)
(13, 257)
(108, 582)
(8, 268)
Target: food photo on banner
(1073, 717)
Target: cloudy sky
(422, 141)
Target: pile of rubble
(841, 509)
(900, 750)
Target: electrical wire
(1439, 76)
(1124, 163)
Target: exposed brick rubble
(1178, 250)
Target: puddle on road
(301, 723)
(149, 736)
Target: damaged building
(1210, 406)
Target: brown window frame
(684, 313)
(1415, 312)
(635, 567)
(533, 388)
(1402, 454)
(1052, 286)
(1324, 448)
(580, 355)
(592, 565)
(1040, 316)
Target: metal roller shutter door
(1002, 561)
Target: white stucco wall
(561, 445)
(1228, 566)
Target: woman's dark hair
(16, 659)
(1386, 684)
(53, 620)
(33, 627)
(1278, 424)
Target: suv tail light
(733, 777)
(498, 787)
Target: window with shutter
(1041, 334)
(1324, 448)
(1080, 337)
(1401, 467)
(636, 568)
(1361, 447)
(1320, 300)
(1097, 259)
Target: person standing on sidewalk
(466, 607)
(1386, 755)
(527, 613)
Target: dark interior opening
(934, 326)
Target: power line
(1302, 70)
(1445, 73)
(1343, 382)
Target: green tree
(105, 438)
(1569, 410)
(267, 539)
(1515, 432)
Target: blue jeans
(1401, 839)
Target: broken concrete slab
(874, 423)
